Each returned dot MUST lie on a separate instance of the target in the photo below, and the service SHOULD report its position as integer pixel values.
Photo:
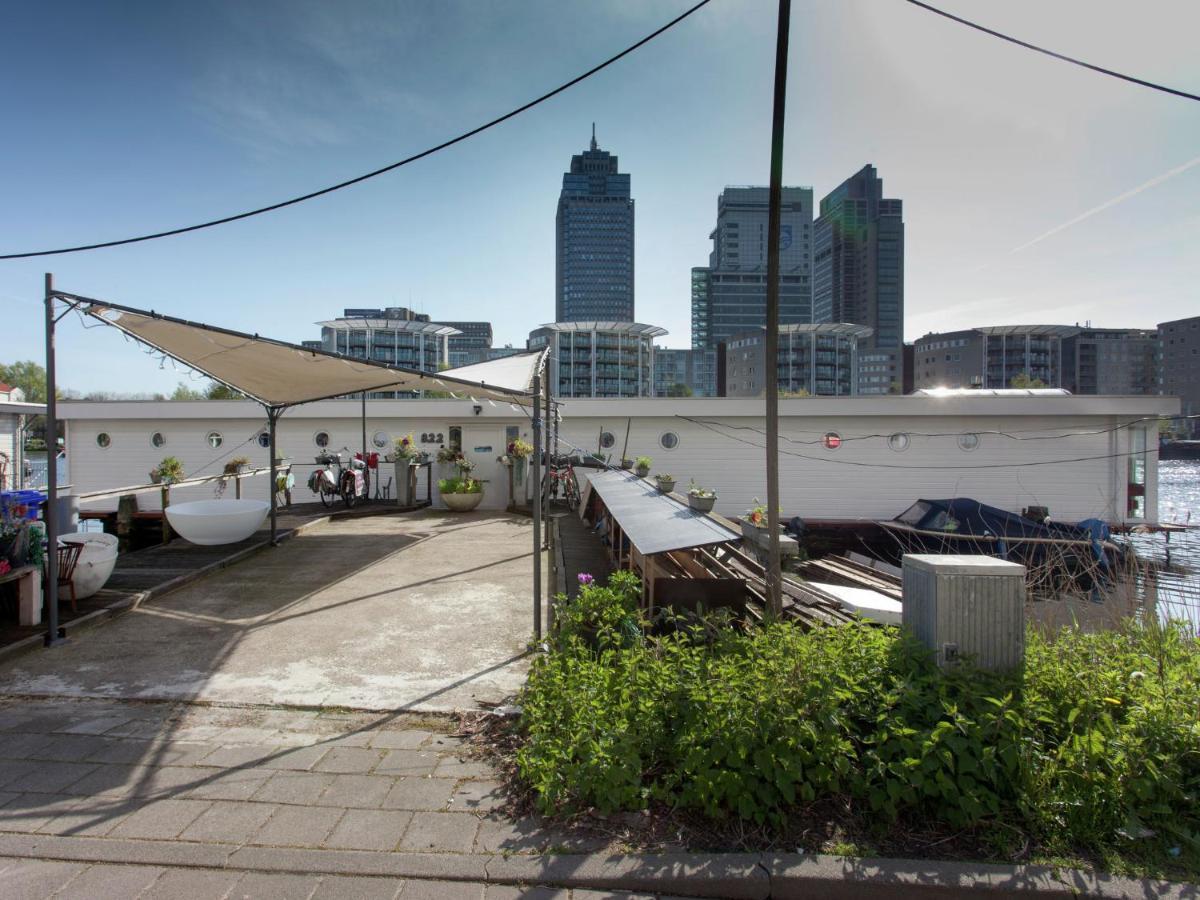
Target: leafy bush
(460, 486)
(1095, 744)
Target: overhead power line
(1079, 62)
(388, 168)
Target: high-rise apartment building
(685, 373)
(594, 247)
(1179, 346)
(811, 360)
(598, 359)
(729, 295)
(858, 274)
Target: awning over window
(278, 374)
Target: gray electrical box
(960, 605)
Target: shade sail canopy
(278, 374)
(653, 522)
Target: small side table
(29, 593)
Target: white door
(483, 444)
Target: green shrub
(1096, 744)
(460, 486)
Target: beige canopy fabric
(279, 374)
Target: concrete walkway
(425, 611)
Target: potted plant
(461, 494)
(701, 499)
(756, 530)
(168, 471)
(626, 463)
(666, 482)
(237, 465)
(405, 456)
(643, 466)
(518, 454)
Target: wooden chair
(68, 558)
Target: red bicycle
(562, 472)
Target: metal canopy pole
(272, 418)
(536, 474)
(774, 579)
(54, 635)
(366, 468)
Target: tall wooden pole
(536, 474)
(51, 514)
(771, 382)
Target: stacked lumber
(850, 572)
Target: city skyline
(1009, 165)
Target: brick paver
(441, 832)
(369, 829)
(298, 826)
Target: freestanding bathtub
(96, 560)
(217, 521)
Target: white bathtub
(217, 521)
(96, 561)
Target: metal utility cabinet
(959, 605)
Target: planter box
(665, 486)
(761, 538)
(701, 504)
(627, 464)
(642, 471)
(462, 502)
(404, 492)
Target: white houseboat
(841, 458)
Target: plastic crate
(22, 504)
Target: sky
(1034, 191)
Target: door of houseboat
(483, 444)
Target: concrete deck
(429, 611)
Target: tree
(184, 392)
(28, 376)
(1022, 381)
(798, 394)
(218, 391)
(679, 389)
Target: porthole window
(103, 441)
(669, 440)
(831, 440)
(898, 442)
(321, 439)
(157, 439)
(968, 441)
(607, 440)
(214, 439)
(379, 439)
(264, 439)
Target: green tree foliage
(28, 376)
(679, 390)
(1024, 382)
(184, 392)
(221, 392)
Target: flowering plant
(757, 514)
(520, 449)
(5, 567)
(696, 491)
(406, 448)
(447, 454)
(585, 578)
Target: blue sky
(123, 118)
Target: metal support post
(54, 635)
(366, 468)
(536, 474)
(272, 418)
(774, 574)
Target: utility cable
(1062, 56)
(388, 168)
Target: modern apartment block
(1081, 359)
(1179, 367)
(817, 360)
(466, 342)
(594, 245)
(858, 273)
(729, 295)
(685, 373)
(409, 343)
(472, 344)
(599, 359)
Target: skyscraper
(858, 274)
(594, 250)
(729, 296)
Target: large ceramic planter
(701, 504)
(665, 485)
(213, 522)
(96, 561)
(462, 502)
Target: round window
(214, 439)
(380, 439)
(321, 439)
(898, 442)
(968, 441)
(607, 440)
(103, 440)
(157, 439)
(669, 440)
(831, 440)
(264, 439)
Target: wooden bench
(29, 593)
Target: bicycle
(562, 472)
(335, 479)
